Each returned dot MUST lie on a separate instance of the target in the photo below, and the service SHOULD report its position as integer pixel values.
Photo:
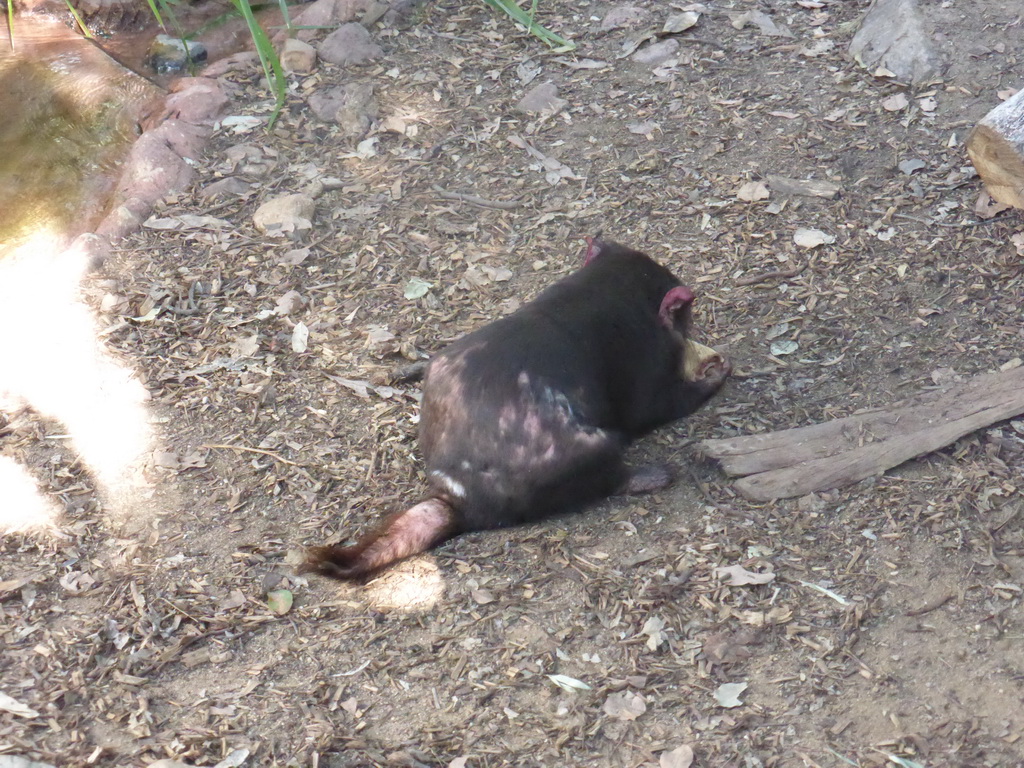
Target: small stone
(325, 102)
(297, 56)
(232, 186)
(290, 214)
(352, 106)
(404, 13)
(657, 53)
(357, 111)
(170, 55)
(542, 98)
(624, 16)
(349, 44)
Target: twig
(951, 225)
(480, 202)
(774, 275)
(271, 454)
(932, 605)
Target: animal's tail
(407, 533)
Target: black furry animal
(529, 415)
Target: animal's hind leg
(648, 478)
(416, 530)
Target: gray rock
(657, 53)
(404, 13)
(892, 36)
(357, 111)
(170, 55)
(325, 102)
(349, 44)
(541, 98)
(352, 106)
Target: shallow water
(68, 115)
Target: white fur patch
(453, 486)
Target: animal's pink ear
(674, 305)
(594, 246)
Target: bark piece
(794, 462)
(996, 147)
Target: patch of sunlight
(411, 586)
(52, 361)
(23, 508)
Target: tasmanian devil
(530, 415)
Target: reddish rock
(195, 99)
(239, 62)
(325, 13)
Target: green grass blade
(526, 18)
(283, 5)
(78, 19)
(10, 22)
(268, 58)
(155, 10)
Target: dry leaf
(569, 683)
(300, 338)
(280, 601)
(812, 238)
(728, 694)
(653, 629)
(738, 576)
(482, 596)
(895, 103)
(986, 206)
(680, 22)
(625, 705)
(15, 707)
(753, 191)
(288, 303)
(680, 757)
(245, 347)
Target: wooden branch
(806, 187)
(996, 147)
(794, 462)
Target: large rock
(892, 36)
(324, 13)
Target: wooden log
(775, 450)
(996, 147)
(798, 461)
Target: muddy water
(68, 115)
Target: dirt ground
(141, 629)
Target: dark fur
(529, 415)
